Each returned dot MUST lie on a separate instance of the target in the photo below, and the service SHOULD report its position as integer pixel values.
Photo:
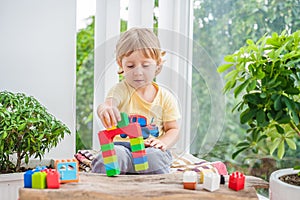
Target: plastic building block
(126, 127)
(211, 181)
(68, 170)
(112, 172)
(41, 177)
(138, 118)
(147, 130)
(139, 153)
(222, 179)
(53, 179)
(28, 176)
(28, 179)
(190, 180)
(150, 130)
(236, 181)
(142, 166)
(112, 128)
(203, 172)
(39, 180)
(124, 120)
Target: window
(220, 28)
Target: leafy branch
(26, 129)
(266, 74)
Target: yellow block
(110, 159)
(112, 128)
(140, 167)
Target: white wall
(37, 57)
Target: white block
(211, 181)
(190, 177)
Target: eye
(147, 64)
(130, 66)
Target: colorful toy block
(28, 176)
(222, 179)
(39, 180)
(133, 131)
(205, 171)
(53, 179)
(147, 129)
(190, 180)
(211, 181)
(68, 170)
(28, 179)
(236, 181)
(124, 120)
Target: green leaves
(24, 122)
(266, 74)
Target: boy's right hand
(109, 115)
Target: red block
(105, 137)
(53, 179)
(236, 181)
(133, 130)
(138, 154)
(108, 153)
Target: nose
(138, 70)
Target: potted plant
(266, 76)
(26, 130)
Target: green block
(110, 159)
(137, 147)
(135, 141)
(112, 172)
(124, 120)
(107, 147)
(39, 180)
(141, 167)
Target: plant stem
(18, 164)
(295, 128)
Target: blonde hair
(142, 39)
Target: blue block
(140, 160)
(141, 121)
(28, 179)
(112, 165)
(67, 170)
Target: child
(139, 57)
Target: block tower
(133, 131)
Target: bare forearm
(170, 138)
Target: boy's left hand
(156, 143)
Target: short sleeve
(170, 108)
(117, 92)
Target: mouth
(138, 81)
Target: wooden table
(138, 187)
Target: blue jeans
(159, 161)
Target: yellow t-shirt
(164, 107)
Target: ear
(159, 66)
(158, 70)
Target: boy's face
(139, 71)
